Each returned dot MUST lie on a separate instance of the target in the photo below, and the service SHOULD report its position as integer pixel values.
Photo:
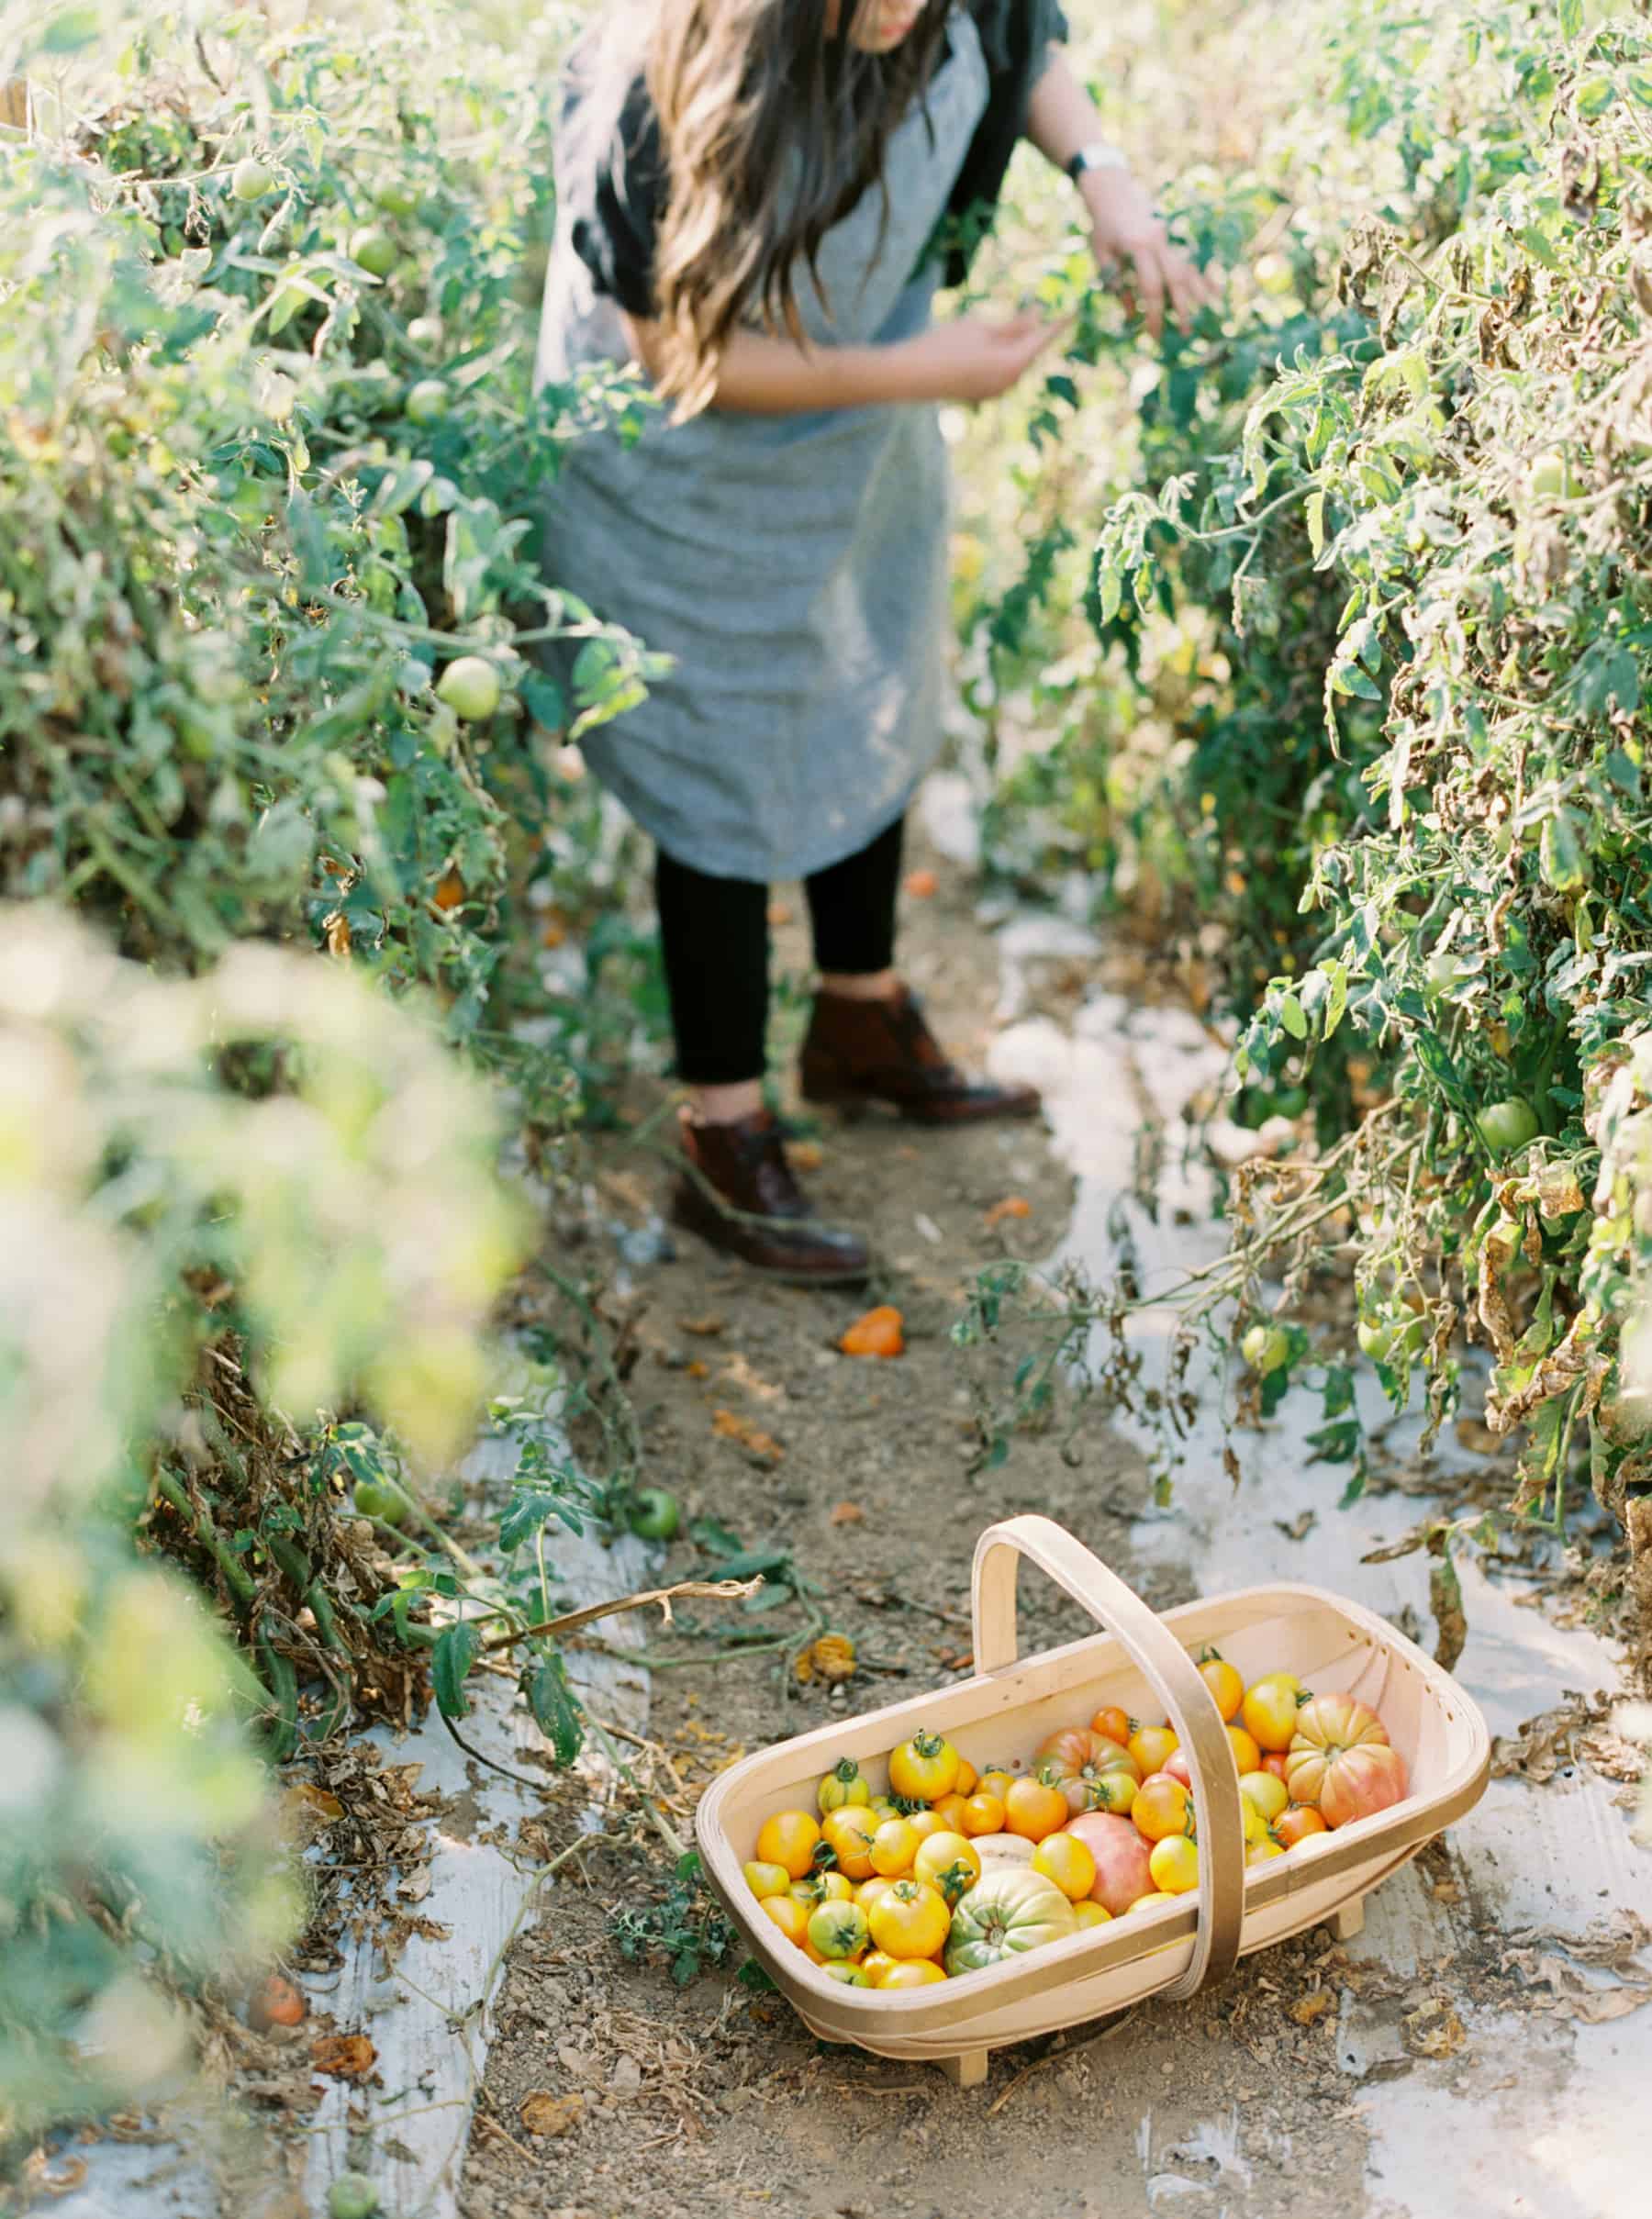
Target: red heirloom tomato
(1009, 1911)
(1113, 1723)
(1341, 1761)
(1077, 1763)
(1121, 1854)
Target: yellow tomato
(878, 1964)
(1245, 1752)
(925, 1768)
(1267, 1790)
(1251, 1820)
(1151, 1745)
(1271, 1709)
(822, 1888)
(965, 1784)
(842, 1785)
(912, 1972)
(994, 1782)
(1063, 1857)
(894, 1846)
(1092, 1914)
(788, 1840)
(789, 1914)
(767, 1879)
(925, 1822)
(885, 1807)
(982, 1814)
(1223, 1682)
(1261, 1852)
(849, 1835)
(949, 1810)
(1157, 1896)
(948, 1863)
(911, 1920)
(868, 1893)
(1175, 1865)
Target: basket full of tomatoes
(1062, 1834)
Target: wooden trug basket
(1138, 1661)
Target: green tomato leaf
(450, 1661)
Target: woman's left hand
(1127, 230)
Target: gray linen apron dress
(795, 566)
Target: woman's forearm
(1061, 116)
(763, 375)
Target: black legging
(715, 935)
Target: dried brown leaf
(544, 2114)
(344, 2057)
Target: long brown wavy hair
(772, 128)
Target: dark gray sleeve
(617, 201)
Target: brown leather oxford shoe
(861, 1052)
(737, 1191)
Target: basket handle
(1176, 1679)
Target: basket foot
(967, 2071)
(1349, 1921)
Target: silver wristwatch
(1097, 155)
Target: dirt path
(708, 2095)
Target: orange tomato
(1174, 1865)
(789, 1914)
(1151, 1745)
(1092, 1914)
(1271, 1709)
(1063, 1857)
(1162, 1808)
(1248, 1756)
(1224, 1683)
(968, 1779)
(849, 1835)
(1034, 1810)
(912, 1972)
(982, 1814)
(911, 1920)
(789, 1839)
(1274, 1761)
(276, 2002)
(995, 1780)
(894, 1846)
(878, 1333)
(924, 1769)
(1297, 1823)
(1115, 1725)
(949, 1810)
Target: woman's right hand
(976, 358)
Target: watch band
(1097, 155)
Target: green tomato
(470, 686)
(1373, 1339)
(384, 1499)
(839, 1931)
(395, 199)
(376, 251)
(1010, 1908)
(850, 1976)
(353, 2196)
(1551, 479)
(1441, 972)
(1508, 1125)
(251, 179)
(654, 1514)
(427, 402)
(425, 331)
(1266, 1347)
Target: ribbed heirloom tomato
(1080, 1764)
(842, 1785)
(1009, 1912)
(1341, 1760)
